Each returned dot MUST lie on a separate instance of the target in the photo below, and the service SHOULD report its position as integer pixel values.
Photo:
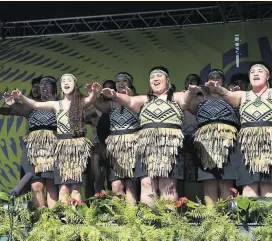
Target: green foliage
(112, 218)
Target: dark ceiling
(16, 11)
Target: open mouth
(256, 78)
(66, 87)
(157, 84)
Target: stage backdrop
(96, 57)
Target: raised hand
(16, 94)
(212, 84)
(9, 99)
(235, 88)
(129, 91)
(194, 89)
(95, 87)
(110, 93)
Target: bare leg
(64, 192)
(168, 188)
(224, 188)
(39, 196)
(118, 188)
(266, 189)
(52, 193)
(131, 191)
(75, 191)
(251, 190)
(148, 190)
(210, 188)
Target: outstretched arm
(47, 105)
(134, 103)
(232, 97)
(14, 108)
(92, 93)
(189, 99)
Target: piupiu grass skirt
(71, 158)
(256, 146)
(214, 142)
(158, 149)
(26, 167)
(40, 146)
(121, 152)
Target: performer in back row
(98, 168)
(256, 130)
(72, 150)
(160, 138)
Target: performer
(39, 142)
(72, 150)
(120, 143)
(189, 128)
(101, 130)
(191, 187)
(215, 141)
(160, 137)
(255, 134)
(238, 82)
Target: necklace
(258, 100)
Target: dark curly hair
(76, 110)
(170, 92)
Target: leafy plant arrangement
(249, 210)
(22, 216)
(105, 217)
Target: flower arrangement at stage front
(105, 217)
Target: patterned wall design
(96, 57)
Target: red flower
(183, 200)
(235, 192)
(178, 204)
(71, 199)
(79, 203)
(99, 194)
(75, 201)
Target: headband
(52, 81)
(216, 72)
(261, 66)
(159, 71)
(74, 78)
(124, 76)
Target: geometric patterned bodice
(121, 118)
(160, 110)
(189, 124)
(252, 111)
(42, 119)
(63, 123)
(217, 110)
